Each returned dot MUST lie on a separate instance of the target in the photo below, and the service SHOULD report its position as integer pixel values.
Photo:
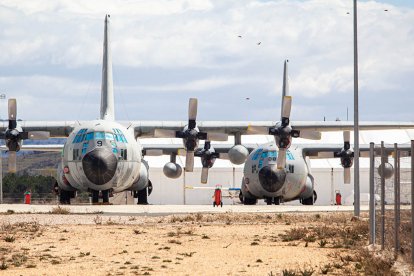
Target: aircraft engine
(308, 189)
(142, 182)
(347, 157)
(172, 170)
(208, 156)
(238, 154)
(388, 170)
(190, 135)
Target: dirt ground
(194, 244)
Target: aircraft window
(84, 150)
(289, 156)
(272, 154)
(264, 154)
(123, 154)
(75, 154)
(89, 136)
(109, 136)
(115, 150)
(99, 135)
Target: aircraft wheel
(249, 201)
(142, 197)
(105, 196)
(214, 204)
(310, 200)
(221, 203)
(268, 200)
(276, 200)
(95, 197)
(64, 197)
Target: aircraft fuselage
(100, 155)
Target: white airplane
(105, 155)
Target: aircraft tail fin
(107, 88)
(285, 87)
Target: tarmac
(160, 210)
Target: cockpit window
(99, 135)
(80, 136)
(119, 136)
(89, 136)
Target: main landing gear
(104, 194)
(65, 196)
(143, 194)
(272, 200)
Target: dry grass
(60, 211)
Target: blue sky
(165, 52)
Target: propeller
(14, 135)
(347, 157)
(190, 134)
(208, 156)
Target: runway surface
(154, 210)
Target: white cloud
(182, 37)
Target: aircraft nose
(99, 165)
(271, 178)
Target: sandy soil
(208, 244)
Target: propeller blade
(204, 175)
(12, 113)
(257, 130)
(310, 134)
(347, 175)
(285, 88)
(192, 109)
(281, 159)
(12, 162)
(347, 136)
(189, 161)
(286, 107)
(217, 136)
(38, 135)
(164, 133)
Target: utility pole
(356, 118)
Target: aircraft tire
(276, 200)
(64, 197)
(142, 197)
(95, 197)
(105, 196)
(268, 200)
(249, 201)
(310, 200)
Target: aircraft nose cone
(99, 165)
(271, 178)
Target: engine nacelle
(62, 181)
(238, 154)
(172, 170)
(307, 191)
(388, 170)
(142, 182)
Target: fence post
(412, 201)
(382, 195)
(371, 194)
(396, 199)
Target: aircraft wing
(51, 147)
(167, 149)
(315, 151)
(146, 128)
(58, 129)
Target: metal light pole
(356, 119)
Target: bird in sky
(258, 43)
